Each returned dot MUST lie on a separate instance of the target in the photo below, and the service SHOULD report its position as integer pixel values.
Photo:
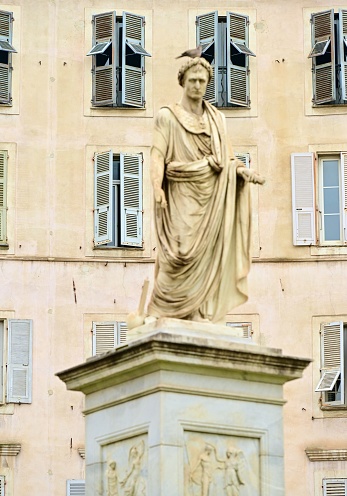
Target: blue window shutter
(103, 164)
(3, 195)
(75, 487)
(238, 76)
(133, 43)
(104, 77)
(6, 21)
(206, 35)
(131, 199)
(19, 366)
(324, 86)
(303, 198)
(342, 47)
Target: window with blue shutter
(225, 45)
(118, 66)
(6, 50)
(118, 200)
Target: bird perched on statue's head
(194, 52)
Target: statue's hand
(160, 198)
(250, 175)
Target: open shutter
(206, 34)
(6, 20)
(2, 485)
(344, 193)
(334, 487)
(104, 67)
(332, 347)
(133, 62)
(303, 203)
(103, 165)
(323, 42)
(75, 487)
(131, 199)
(19, 366)
(238, 76)
(3, 195)
(343, 52)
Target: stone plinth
(180, 411)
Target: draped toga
(203, 234)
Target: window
(108, 335)
(326, 223)
(333, 348)
(3, 196)
(224, 43)
(118, 69)
(6, 50)
(118, 199)
(2, 485)
(332, 487)
(244, 157)
(329, 57)
(75, 487)
(15, 361)
(244, 329)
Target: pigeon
(194, 52)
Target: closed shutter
(244, 157)
(244, 327)
(122, 332)
(3, 195)
(344, 193)
(104, 76)
(332, 361)
(133, 62)
(206, 34)
(131, 199)
(6, 20)
(2, 363)
(108, 335)
(103, 168)
(237, 75)
(342, 51)
(75, 488)
(323, 43)
(303, 198)
(2, 485)
(19, 367)
(334, 487)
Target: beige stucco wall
(51, 133)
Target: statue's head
(196, 63)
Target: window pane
(331, 201)
(330, 173)
(332, 227)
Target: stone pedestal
(182, 411)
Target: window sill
(7, 409)
(328, 250)
(127, 248)
(4, 246)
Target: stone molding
(7, 449)
(322, 455)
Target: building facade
(80, 85)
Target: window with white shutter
(118, 60)
(2, 485)
(334, 487)
(107, 336)
(3, 196)
(329, 57)
(6, 50)
(118, 210)
(244, 329)
(75, 487)
(225, 44)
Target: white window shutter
(104, 77)
(342, 43)
(131, 199)
(3, 195)
(104, 337)
(75, 487)
(206, 35)
(245, 327)
(133, 77)
(303, 198)
(344, 191)
(324, 86)
(103, 168)
(19, 366)
(244, 157)
(122, 332)
(2, 363)
(237, 76)
(334, 487)
(6, 20)
(2, 485)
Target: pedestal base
(178, 412)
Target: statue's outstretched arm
(250, 175)
(157, 175)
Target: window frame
(115, 331)
(8, 67)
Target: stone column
(184, 410)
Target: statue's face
(195, 82)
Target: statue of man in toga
(202, 205)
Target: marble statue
(202, 204)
